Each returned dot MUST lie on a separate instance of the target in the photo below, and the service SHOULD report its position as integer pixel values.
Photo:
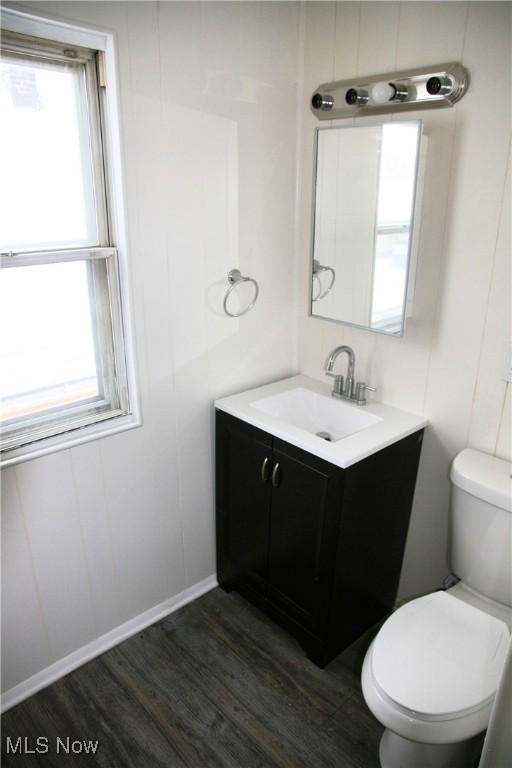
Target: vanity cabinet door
(244, 464)
(305, 506)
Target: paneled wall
(95, 535)
(454, 357)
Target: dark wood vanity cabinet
(318, 548)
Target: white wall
(451, 363)
(95, 535)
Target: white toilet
(432, 671)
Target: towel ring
(317, 268)
(235, 277)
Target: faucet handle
(338, 383)
(361, 389)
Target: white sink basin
(296, 409)
(333, 418)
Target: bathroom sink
(297, 409)
(327, 418)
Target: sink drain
(325, 436)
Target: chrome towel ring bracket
(235, 278)
(317, 268)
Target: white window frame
(108, 265)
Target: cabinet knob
(276, 475)
(265, 467)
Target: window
(397, 179)
(62, 353)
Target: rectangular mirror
(363, 209)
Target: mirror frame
(415, 212)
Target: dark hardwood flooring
(214, 685)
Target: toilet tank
(480, 551)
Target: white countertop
(394, 424)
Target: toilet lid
(437, 655)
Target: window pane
(397, 173)
(47, 194)
(47, 351)
(389, 280)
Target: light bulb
(382, 92)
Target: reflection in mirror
(322, 290)
(363, 215)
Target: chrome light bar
(440, 86)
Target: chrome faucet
(341, 387)
(345, 387)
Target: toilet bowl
(431, 673)
(430, 677)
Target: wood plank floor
(214, 685)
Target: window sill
(69, 439)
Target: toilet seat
(439, 658)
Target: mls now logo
(41, 746)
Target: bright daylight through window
(61, 342)
(392, 233)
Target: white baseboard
(89, 651)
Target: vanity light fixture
(440, 86)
